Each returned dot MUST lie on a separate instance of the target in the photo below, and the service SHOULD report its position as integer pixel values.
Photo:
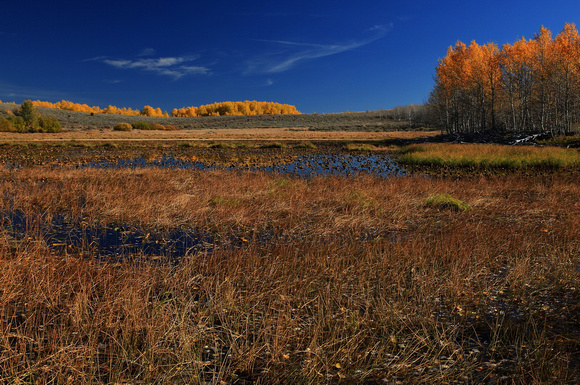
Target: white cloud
(297, 52)
(175, 67)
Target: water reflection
(108, 242)
(343, 165)
(306, 166)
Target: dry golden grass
(239, 134)
(362, 281)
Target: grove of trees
(27, 119)
(237, 108)
(529, 86)
(216, 109)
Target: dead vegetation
(361, 280)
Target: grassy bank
(489, 156)
(363, 280)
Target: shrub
(123, 127)
(143, 126)
(27, 119)
(19, 124)
(158, 126)
(6, 125)
(49, 124)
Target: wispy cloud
(9, 90)
(293, 52)
(175, 67)
(148, 52)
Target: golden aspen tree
(529, 85)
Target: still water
(121, 242)
(306, 165)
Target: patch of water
(342, 165)
(305, 166)
(110, 243)
(116, 243)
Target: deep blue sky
(322, 56)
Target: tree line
(532, 85)
(216, 109)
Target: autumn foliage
(528, 86)
(237, 108)
(215, 109)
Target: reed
(360, 282)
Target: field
(241, 275)
(356, 121)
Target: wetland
(275, 260)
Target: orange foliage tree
(528, 86)
(236, 108)
(215, 109)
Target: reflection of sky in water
(116, 242)
(307, 165)
(66, 236)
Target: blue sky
(322, 56)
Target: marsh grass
(357, 284)
(446, 201)
(489, 155)
(305, 145)
(273, 145)
(566, 141)
(231, 145)
(360, 147)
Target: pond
(66, 236)
(108, 242)
(120, 241)
(380, 165)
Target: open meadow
(177, 258)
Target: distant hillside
(383, 120)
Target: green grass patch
(360, 147)
(305, 145)
(192, 144)
(488, 155)
(446, 201)
(229, 145)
